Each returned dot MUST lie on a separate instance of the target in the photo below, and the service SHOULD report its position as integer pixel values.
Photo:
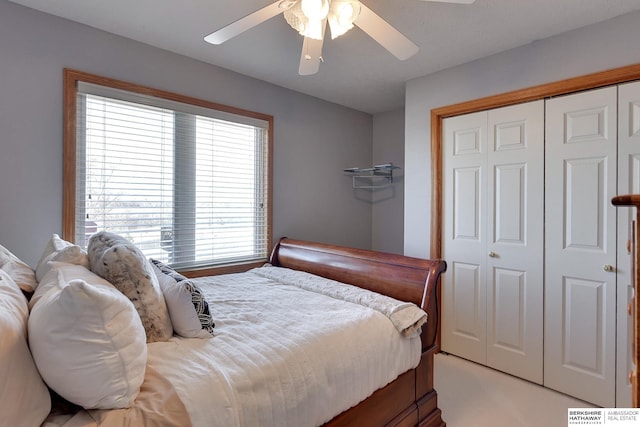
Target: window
(187, 181)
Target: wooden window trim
(71, 79)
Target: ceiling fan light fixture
(342, 15)
(315, 10)
(308, 17)
(314, 29)
(299, 21)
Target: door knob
(608, 267)
(493, 254)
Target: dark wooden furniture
(634, 306)
(410, 400)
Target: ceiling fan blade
(387, 36)
(453, 1)
(311, 56)
(246, 23)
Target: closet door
(580, 244)
(464, 305)
(493, 238)
(515, 251)
(628, 183)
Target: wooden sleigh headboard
(404, 278)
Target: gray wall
(387, 205)
(598, 47)
(314, 140)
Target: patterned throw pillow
(188, 308)
(119, 261)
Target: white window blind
(186, 184)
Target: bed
(403, 398)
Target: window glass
(188, 186)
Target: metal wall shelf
(378, 176)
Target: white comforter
(281, 355)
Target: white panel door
(493, 238)
(628, 183)
(515, 245)
(580, 245)
(464, 236)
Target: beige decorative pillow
(19, 271)
(25, 398)
(60, 250)
(121, 263)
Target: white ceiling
(357, 72)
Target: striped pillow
(188, 308)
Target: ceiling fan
(311, 17)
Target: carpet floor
(473, 395)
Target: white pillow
(58, 275)
(188, 309)
(19, 271)
(88, 343)
(25, 397)
(60, 250)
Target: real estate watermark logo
(617, 417)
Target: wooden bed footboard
(410, 400)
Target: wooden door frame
(562, 87)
